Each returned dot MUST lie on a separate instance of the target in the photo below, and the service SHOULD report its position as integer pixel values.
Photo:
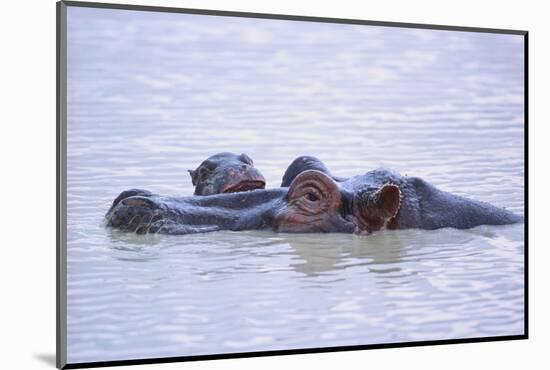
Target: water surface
(152, 95)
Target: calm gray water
(151, 95)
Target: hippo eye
(203, 172)
(312, 197)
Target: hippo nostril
(138, 201)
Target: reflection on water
(151, 95)
(334, 252)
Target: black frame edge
(526, 184)
(288, 17)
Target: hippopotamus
(313, 202)
(226, 173)
(422, 205)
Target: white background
(27, 270)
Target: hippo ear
(388, 200)
(246, 159)
(193, 176)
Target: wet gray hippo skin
(142, 212)
(226, 173)
(421, 205)
(314, 202)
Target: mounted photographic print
(237, 184)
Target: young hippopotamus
(226, 173)
(314, 202)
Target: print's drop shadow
(47, 358)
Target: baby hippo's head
(226, 173)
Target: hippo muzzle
(226, 173)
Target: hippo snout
(241, 179)
(127, 194)
(140, 201)
(134, 210)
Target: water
(152, 95)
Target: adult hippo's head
(313, 203)
(226, 173)
(317, 203)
